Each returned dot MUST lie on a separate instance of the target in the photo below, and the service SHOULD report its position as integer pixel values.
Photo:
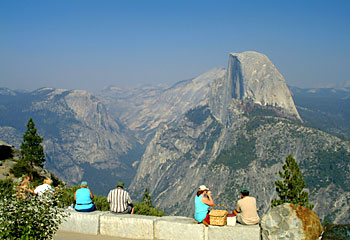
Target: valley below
(226, 128)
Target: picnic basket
(218, 217)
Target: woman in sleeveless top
(202, 202)
(83, 199)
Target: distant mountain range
(226, 128)
(325, 108)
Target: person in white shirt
(46, 186)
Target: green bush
(239, 155)
(145, 207)
(336, 231)
(6, 188)
(101, 203)
(32, 217)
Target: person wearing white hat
(202, 202)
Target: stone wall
(148, 227)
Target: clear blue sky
(83, 44)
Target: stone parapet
(157, 228)
(127, 226)
(87, 223)
(169, 228)
(241, 232)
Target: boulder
(290, 221)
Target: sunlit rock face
(289, 221)
(253, 76)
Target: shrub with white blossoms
(30, 217)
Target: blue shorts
(92, 208)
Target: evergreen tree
(31, 149)
(146, 199)
(291, 189)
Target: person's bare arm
(92, 196)
(237, 210)
(209, 200)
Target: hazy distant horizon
(345, 84)
(88, 45)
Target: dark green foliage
(327, 167)
(32, 152)
(240, 155)
(198, 115)
(331, 163)
(20, 168)
(257, 121)
(291, 188)
(101, 203)
(336, 231)
(67, 196)
(31, 217)
(6, 188)
(145, 207)
(146, 199)
(256, 110)
(31, 148)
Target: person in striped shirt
(120, 201)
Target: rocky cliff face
(248, 151)
(81, 140)
(240, 136)
(143, 109)
(252, 76)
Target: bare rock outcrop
(290, 221)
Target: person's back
(46, 186)
(247, 206)
(120, 201)
(83, 199)
(201, 209)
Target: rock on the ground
(290, 221)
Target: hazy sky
(83, 44)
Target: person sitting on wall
(24, 188)
(202, 202)
(119, 199)
(246, 211)
(83, 199)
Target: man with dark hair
(246, 211)
(120, 201)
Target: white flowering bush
(31, 216)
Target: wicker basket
(218, 217)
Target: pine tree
(291, 189)
(31, 149)
(146, 199)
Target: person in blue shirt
(202, 202)
(83, 199)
